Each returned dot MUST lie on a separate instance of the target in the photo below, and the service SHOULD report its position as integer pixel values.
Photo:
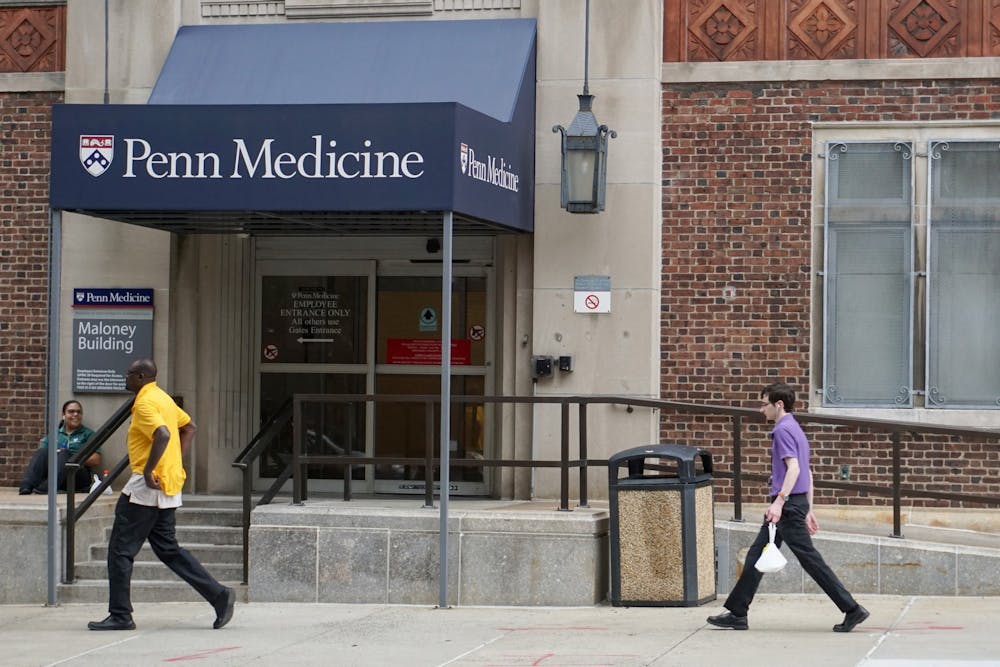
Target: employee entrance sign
(112, 327)
(592, 294)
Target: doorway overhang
(306, 129)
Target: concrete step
(209, 516)
(96, 592)
(153, 570)
(206, 553)
(202, 534)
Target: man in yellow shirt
(158, 436)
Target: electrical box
(541, 366)
(566, 363)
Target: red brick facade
(25, 119)
(737, 189)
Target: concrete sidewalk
(784, 629)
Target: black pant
(134, 524)
(793, 532)
(36, 475)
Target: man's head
(140, 373)
(776, 400)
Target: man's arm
(791, 476)
(161, 436)
(186, 433)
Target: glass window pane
(868, 279)
(963, 282)
(314, 319)
(868, 316)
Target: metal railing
(297, 467)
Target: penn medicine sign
(264, 160)
(495, 171)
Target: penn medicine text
(248, 161)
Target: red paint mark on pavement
(551, 628)
(912, 628)
(201, 655)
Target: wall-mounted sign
(313, 319)
(112, 327)
(592, 294)
(426, 351)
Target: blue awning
(313, 128)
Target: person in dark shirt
(72, 436)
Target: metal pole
(445, 409)
(52, 401)
(107, 97)
(586, 52)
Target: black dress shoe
(224, 608)
(729, 621)
(24, 492)
(851, 619)
(113, 622)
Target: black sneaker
(729, 621)
(851, 619)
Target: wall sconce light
(584, 150)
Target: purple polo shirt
(787, 439)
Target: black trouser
(36, 475)
(792, 531)
(134, 524)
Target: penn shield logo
(465, 157)
(96, 152)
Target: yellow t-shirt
(152, 409)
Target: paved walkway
(902, 632)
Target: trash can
(662, 527)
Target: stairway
(207, 526)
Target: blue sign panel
(112, 327)
(336, 158)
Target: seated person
(72, 435)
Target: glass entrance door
(364, 327)
(314, 339)
(408, 355)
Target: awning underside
(300, 223)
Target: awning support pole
(446, 291)
(52, 401)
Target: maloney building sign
(337, 158)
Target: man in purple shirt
(791, 510)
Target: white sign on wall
(592, 294)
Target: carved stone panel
(822, 29)
(925, 28)
(33, 39)
(732, 30)
(722, 30)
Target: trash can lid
(683, 454)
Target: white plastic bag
(96, 483)
(771, 559)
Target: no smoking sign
(592, 294)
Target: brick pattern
(25, 137)
(737, 180)
(743, 30)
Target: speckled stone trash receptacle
(662, 527)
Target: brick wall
(25, 135)
(737, 180)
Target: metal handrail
(245, 460)
(74, 513)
